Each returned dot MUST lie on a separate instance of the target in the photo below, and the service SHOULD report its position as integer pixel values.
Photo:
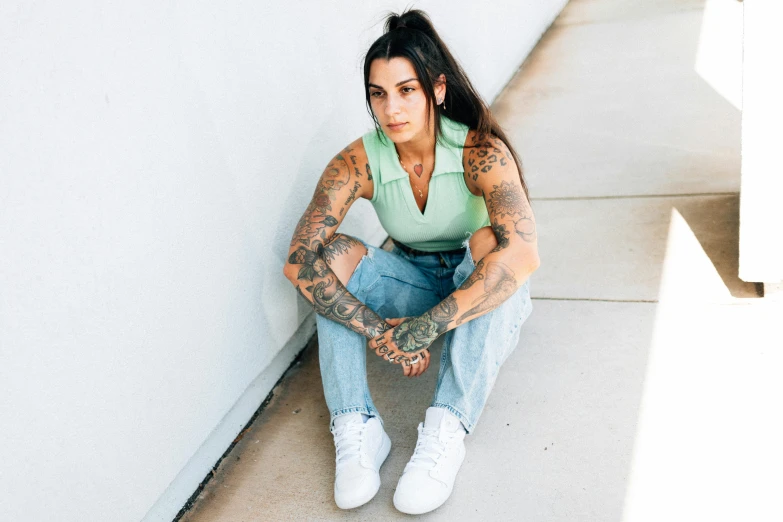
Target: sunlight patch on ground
(707, 441)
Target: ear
(440, 86)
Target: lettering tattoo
(352, 195)
(499, 285)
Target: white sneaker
(428, 478)
(361, 448)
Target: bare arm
(499, 274)
(314, 242)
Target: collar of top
(448, 158)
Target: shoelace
(429, 448)
(348, 441)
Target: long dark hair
(411, 35)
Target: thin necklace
(421, 194)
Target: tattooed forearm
(444, 312)
(476, 276)
(332, 300)
(327, 294)
(499, 284)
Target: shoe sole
(380, 458)
(421, 511)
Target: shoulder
(484, 158)
(352, 167)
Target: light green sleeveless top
(452, 213)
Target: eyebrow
(396, 85)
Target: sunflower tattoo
(506, 200)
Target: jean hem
(461, 416)
(371, 412)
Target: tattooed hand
(413, 335)
(413, 364)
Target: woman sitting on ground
(448, 189)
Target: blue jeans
(396, 284)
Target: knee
(482, 242)
(342, 253)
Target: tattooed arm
(491, 171)
(314, 243)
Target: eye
(411, 89)
(372, 94)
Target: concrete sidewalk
(643, 377)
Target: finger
(417, 365)
(425, 361)
(417, 368)
(395, 321)
(407, 369)
(378, 342)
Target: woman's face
(397, 97)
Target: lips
(396, 126)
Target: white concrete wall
(761, 214)
(154, 158)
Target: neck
(419, 149)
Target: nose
(391, 106)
